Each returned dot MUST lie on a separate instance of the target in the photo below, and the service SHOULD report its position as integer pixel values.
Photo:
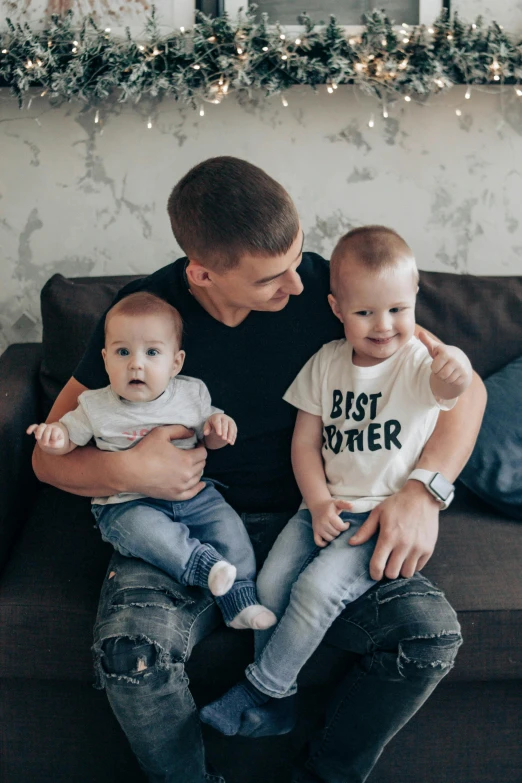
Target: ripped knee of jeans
(127, 660)
(428, 656)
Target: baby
(366, 404)
(200, 541)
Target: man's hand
(221, 429)
(326, 522)
(451, 369)
(408, 525)
(160, 470)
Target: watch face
(441, 486)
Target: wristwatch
(436, 484)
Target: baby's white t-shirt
(117, 424)
(376, 420)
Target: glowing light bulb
(329, 89)
(107, 29)
(468, 94)
(384, 42)
(149, 123)
(496, 78)
(284, 101)
(182, 29)
(97, 117)
(196, 67)
(239, 50)
(385, 113)
(518, 91)
(431, 30)
(265, 48)
(371, 122)
(407, 98)
(458, 112)
(202, 112)
(297, 41)
(282, 37)
(284, 57)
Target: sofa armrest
(19, 407)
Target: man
(255, 309)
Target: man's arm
(154, 467)
(408, 521)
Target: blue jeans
(185, 539)
(404, 632)
(307, 588)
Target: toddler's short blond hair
(374, 247)
(144, 303)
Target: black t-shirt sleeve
(90, 371)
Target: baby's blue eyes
(125, 352)
(364, 313)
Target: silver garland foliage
(69, 60)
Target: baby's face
(141, 355)
(377, 310)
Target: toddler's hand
(450, 364)
(326, 522)
(223, 426)
(50, 437)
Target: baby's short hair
(374, 247)
(144, 303)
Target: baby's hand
(450, 365)
(326, 522)
(50, 437)
(222, 426)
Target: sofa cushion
(494, 471)
(479, 314)
(460, 309)
(70, 311)
(51, 584)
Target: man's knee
(429, 657)
(128, 659)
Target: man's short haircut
(225, 208)
(144, 303)
(374, 247)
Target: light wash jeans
(307, 587)
(185, 539)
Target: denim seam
(189, 630)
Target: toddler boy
(367, 404)
(201, 541)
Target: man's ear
(197, 274)
(332, 301)
(178, 363)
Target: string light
(141, 48)
(473, 26)
(239, 50)
(518, 91)
(402, 65)
(284, 101)
(371, 122)
(149, 123)
(384, 42)
(439, 82)
(458, 112)
(97, 117)
(201, 112)
(212, 39)
(182, 29)
(4, 51)
(43, 94)
(107, 29)
(496, 78)
(385, 113)
(297, 41)
(282, 37)
(29, 64)
(407, 98)
(155, 51)
(431, 30)
(351, 41)
(265, 48)
(405, 40)
(449, 37)
(196, 67)
(359, 67)
(468, 94)
(329, 89)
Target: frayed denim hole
(150, 596)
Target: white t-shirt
(376, 420)
(117, 424)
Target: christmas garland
(218, 56)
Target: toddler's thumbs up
(431, 344)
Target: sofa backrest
(482, 315)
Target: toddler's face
(141, 354)
(377, 310)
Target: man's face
(261, 283)
(141, 354)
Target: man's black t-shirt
(247, 369)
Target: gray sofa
(54, 726)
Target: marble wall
(82, 198)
